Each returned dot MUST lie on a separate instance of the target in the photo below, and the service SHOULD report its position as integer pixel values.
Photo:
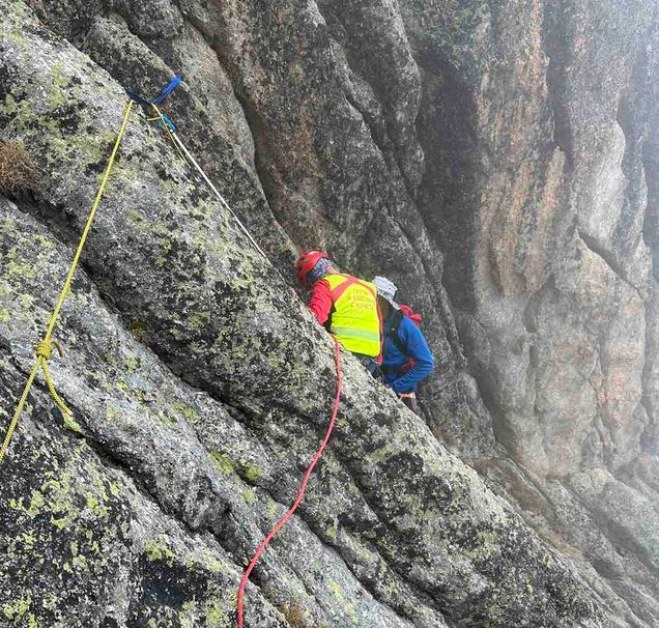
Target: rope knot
(45, 349)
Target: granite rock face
(496, 159)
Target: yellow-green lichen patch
(93, 504)
(250, 472)
(245, 470)
(223, 463)
(196, 321)
(158, 549)
(168, 419)
(131, 364)
(211, 607)
(22, 270)
(247, 493)
(27, 263)
(348, 607)
(57, 96)
(83, 150)
(331, 533)
(216, 614)
(271, 509)
(220, 603)
(206, 561)
(188, 615)
(190, 414)
(37, 502)
(16, 611)
(71, 505)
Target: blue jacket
(393, 359)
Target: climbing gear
(415, 317)
(305, 263)
(386, 289)
(392, 330)
(303, 486)
(355, 319)
(171, 130)
(44, 350)
(407, 361)
(158, 100)
(392, 333)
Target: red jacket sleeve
(320, 302)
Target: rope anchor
(171, 130)
(45, 348)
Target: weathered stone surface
(495, 159)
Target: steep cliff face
(497, 160)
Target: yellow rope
(45, 347)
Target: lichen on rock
(494, 159)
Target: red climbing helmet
(305, 263)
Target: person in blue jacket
(406, 356)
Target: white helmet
(386, 289)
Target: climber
(406, 357)
(345, 305)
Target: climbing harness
(45, 347)
(303, 486)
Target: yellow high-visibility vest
(355, 320)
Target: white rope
(193, 161)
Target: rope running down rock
(45, 347)
(303, 487)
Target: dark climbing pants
(369, 363)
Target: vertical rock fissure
(557, 46)
(448, 210)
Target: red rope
(303, 487)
